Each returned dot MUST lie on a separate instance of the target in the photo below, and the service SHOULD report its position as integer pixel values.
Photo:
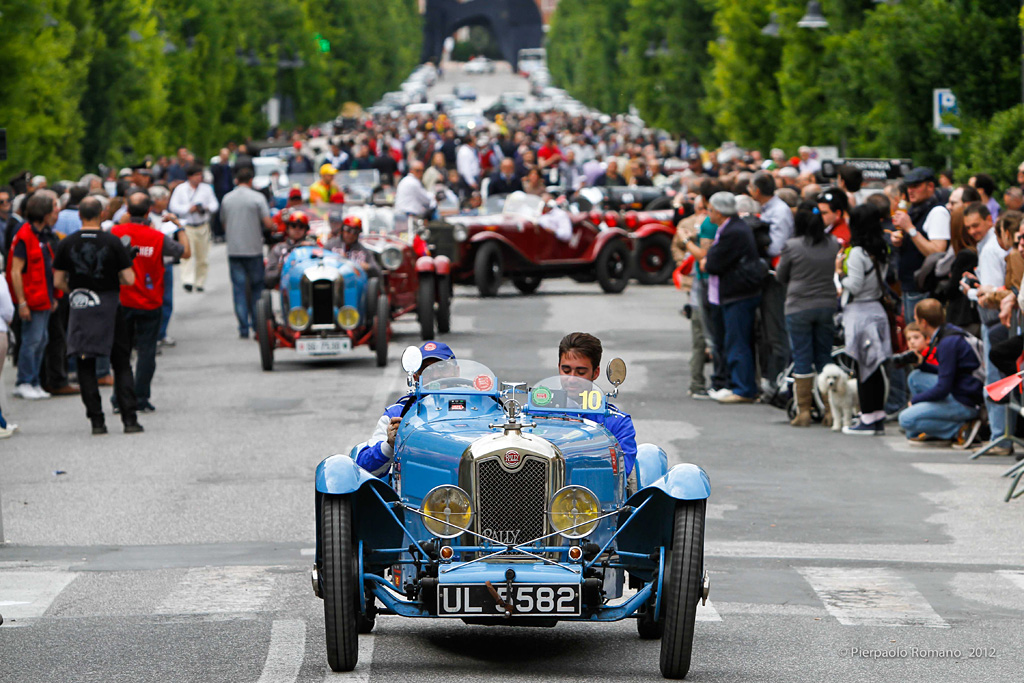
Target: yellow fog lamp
(348, 317)
(574, 511)
(447, 511)
(298, 318)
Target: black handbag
(750, 273)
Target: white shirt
(468, 164)
(6, 307)
(936, 224)
(810, 166)
(411, 198)
(558, 222)
(185, 197)
(991, 261)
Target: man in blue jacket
(376, 456)
(942, 404)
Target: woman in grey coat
(806, 270)
(865, 323)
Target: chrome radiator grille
(511, 504)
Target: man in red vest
(144, 299)
(30, 274)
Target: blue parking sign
(944, 104)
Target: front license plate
(455, 600)
(324, 347)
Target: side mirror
(616, 372)
(412, 359)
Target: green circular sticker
(542, 396)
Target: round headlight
(574, 511)
(391, 258)
(460, 233)
(449, 511)
(348, 317)
(298, 318)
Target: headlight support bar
(617, 532)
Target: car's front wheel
(613, 267)
(487, 269)
(340, 583)
(444, 304)
(527, 284)
(682, 588)
(264, 330)
(425, 305)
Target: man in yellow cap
(324, 191)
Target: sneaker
(25, 391)
(168, 341)
(858, 428)
(40, 393)
(134, 428)
(967, 434)
(715, 393)
(146, 407)
(243, 335)
(188, 288)
(731, 397)
(926, 438)
(6, 432)
(699, 395)
(199, 289)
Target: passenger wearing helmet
(347, 243)
(324, 191)
(296, 234)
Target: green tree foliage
(995, 146)
(585, 40)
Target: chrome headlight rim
(446, 529)
(391, 258)
(582, 529)
(351, 313)
(460, 233)
(297, 314)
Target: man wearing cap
(246, 215)
(375, 457)
(732, 263)
(324, 191)
(923, 230)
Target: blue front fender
(651, 464)
(339, 474)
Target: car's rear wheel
(612, 267)
(425, 305)
(659, 203)
(682, 588)
(264, 330)
(487, 268)
(340, 583)
(444, 304)
(653, 263)
(527, 284)
(380, 333)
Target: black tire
(487, 269)
(612, 267)
(425, 305)
(527, 284)
(381, 330)
(658, 204)
(264, 330)
(340, 583)
(682, 588)
(652, 262)
(444, 304)
(646, 627)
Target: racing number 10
(590, 400)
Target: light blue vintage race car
(510, 505)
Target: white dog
(841, 390)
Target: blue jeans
(811, 334)
(246, 288)
(910, 300)
(996, 411)
(738, 324)
(168, 306)
(941, 419)
(144, 326)
(32, 346)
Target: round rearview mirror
(616, 371)
(411, 359)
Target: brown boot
(826, 411)
(804, 390)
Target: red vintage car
(510, 241)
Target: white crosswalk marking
(220, 590)
(871, 597)
(1014, 576)
(28, 594)
(287, 648)
(707, 612)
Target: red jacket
(148, 291)
(33, 280)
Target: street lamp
(813, 18)
(771, 29)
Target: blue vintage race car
(510, 506)
(329, 305)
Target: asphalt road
(182, 554)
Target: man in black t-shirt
(91, 265)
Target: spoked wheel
(340, 583)
(682, 588)
(425, 305)
(264, 330)
(613, 267)
(381, 330)
(526, 284)
(444, 304)
(487, 269)
(653, 263)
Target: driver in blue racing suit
(579, 355)
(376, 456)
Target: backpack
(976, 345)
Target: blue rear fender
(651, 527)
